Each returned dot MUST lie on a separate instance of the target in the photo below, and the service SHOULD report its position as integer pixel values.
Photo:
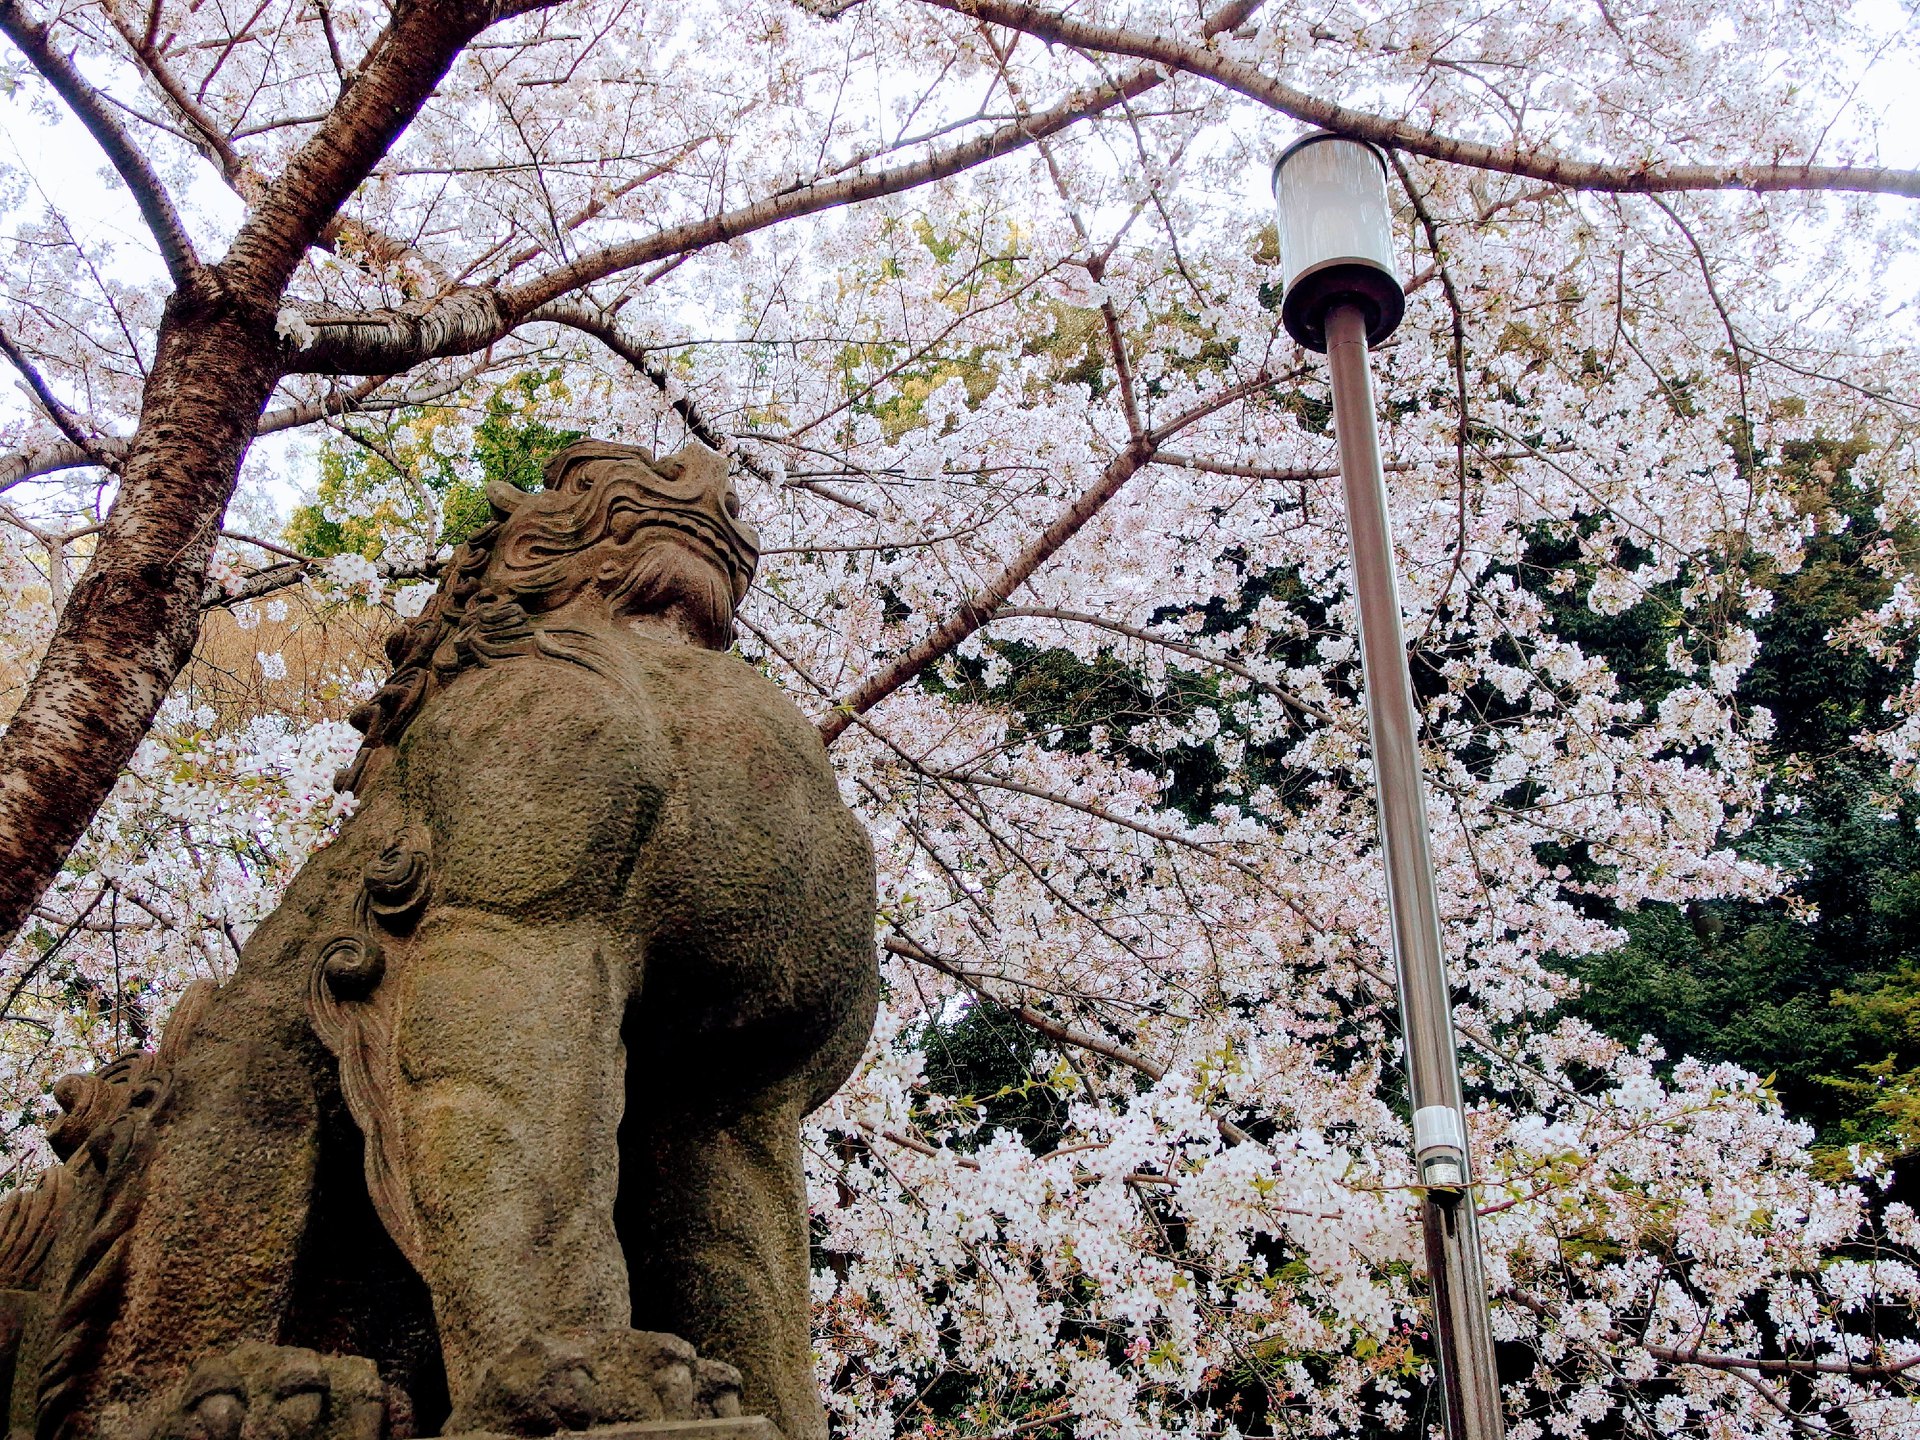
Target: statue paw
(638, 1369)
(716, 1390)
(550, 1383)
(276, 1392)
(544, 1384)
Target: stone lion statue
(496, 1126)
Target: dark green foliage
(508, 444)
(1062, 701)
(1753, 982)
(1805, 997)
(985, 1061)
(1634, 642)
(1814, 985)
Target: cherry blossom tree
(979, 297)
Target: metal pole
(1463, 1337)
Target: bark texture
(131, 622)
(132, 619)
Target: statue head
(646, 539)
(615, 536)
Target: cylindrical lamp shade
(1336, 237)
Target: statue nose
(709, 469)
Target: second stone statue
(496, 1126)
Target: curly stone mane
(649, 533)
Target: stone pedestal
(739, 1427)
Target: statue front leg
(506, 1086)
(506, 1095)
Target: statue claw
(274, 1392)
(716, 1390)
(219, 1417)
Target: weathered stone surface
(496, 1126)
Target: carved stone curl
(352, 965)
(393, 892)
(396, 882)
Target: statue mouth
(729, 544)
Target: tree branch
(1286, 476)
(1856, 1369)
(577, 316)
(204, 134)
(470, 318)
(397, 76)
(1532, 162)
(980, 607)
(821, 195)
(33, 40)
(68, 423)
(288, 573)
(50, 459)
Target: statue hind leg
(189, 1213)
(713, 1212)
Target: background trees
(980, 302)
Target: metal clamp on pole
(1342, 295)
(1440, 1146)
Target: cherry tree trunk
(131, 621)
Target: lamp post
(1342, 295)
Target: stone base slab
(738, 1427)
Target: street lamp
(1342, 295)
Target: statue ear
(504, 498)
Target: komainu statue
(496, 1126)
